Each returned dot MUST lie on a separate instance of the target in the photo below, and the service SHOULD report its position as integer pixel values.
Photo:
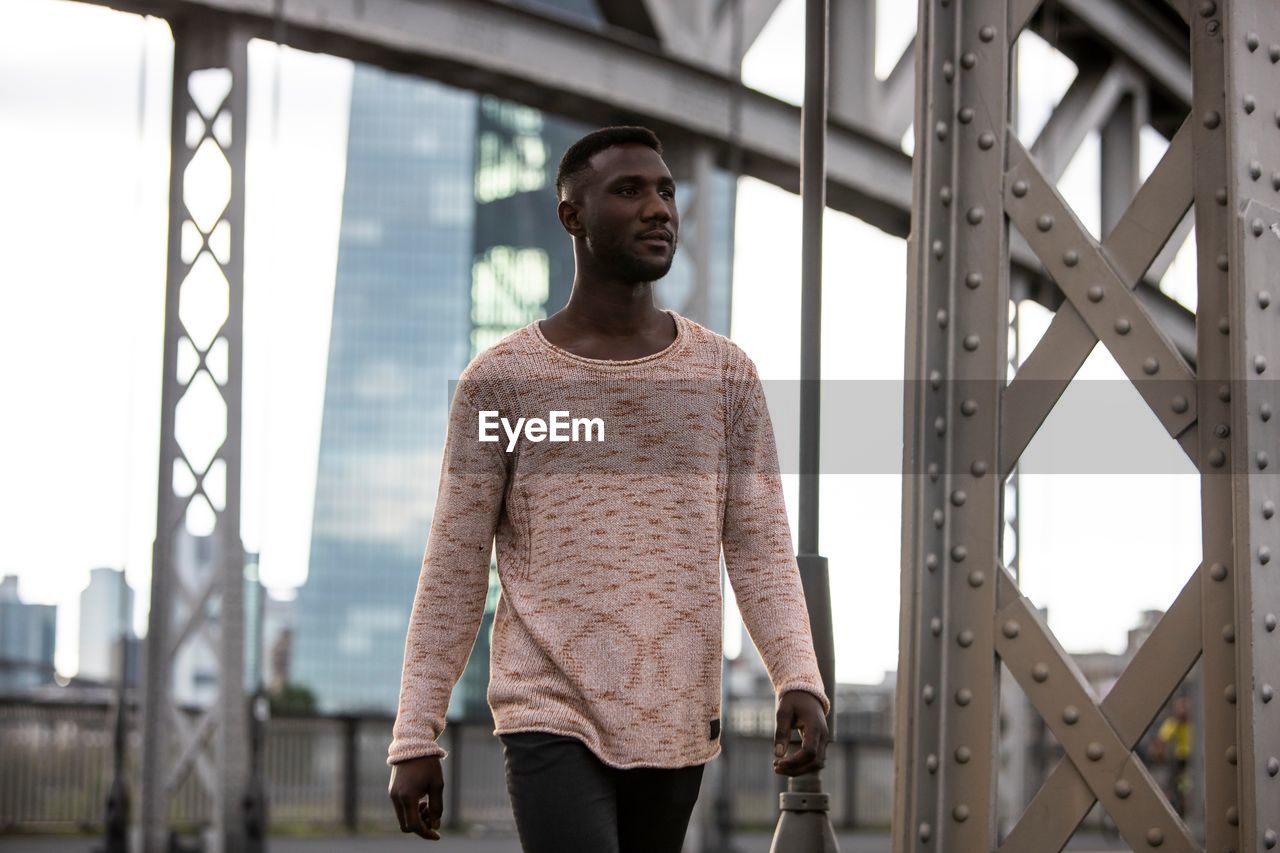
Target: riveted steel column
(956, 363)
(199, 479)
(1249, 137)
(1218, 451)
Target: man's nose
(656, 208)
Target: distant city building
(106, 613)
(27, 636)
(449, 241)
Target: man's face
(629, 215)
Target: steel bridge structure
(1203, 74)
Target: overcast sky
(83, 191)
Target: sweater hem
(593, 745)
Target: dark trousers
(566, 800)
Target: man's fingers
(435, 809)
(395, 801)
(413, 819)
(781, 733)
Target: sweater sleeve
(453, 583)
(758, 553)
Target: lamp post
(804, 824)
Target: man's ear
(570, 217)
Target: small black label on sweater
(715, 728)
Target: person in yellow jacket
(1173, 746)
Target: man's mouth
(664, 236)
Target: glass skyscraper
(449, 241)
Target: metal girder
(202, 372)
(555, 65)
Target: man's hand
(411, 782)
(799, 709)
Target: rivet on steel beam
(1259, 364)
(1264, 554)
(944, 195)
(935, 626)
(975, 215)
(1071, 715)
(931, 562)
(1262, 459)
(1255, 172)
(1269, 622)
(1223, 263)
(932, 471)
(1229, 633)
(1020, 188)
(1155, 837)
(1233, 816)
(927, 694)
(965, 115)
(1275, 53)
(1045, 222)
(1224, 394)
(971, 342)
(1277, 118)
(1040, 672)
(1250, 104)
(1123, 789)
(1275, 181)
(938, 249)
(958, 553)
(1268, 508)
(1212, 119)
(977, 578)
(1264, 412)
(1232, 755)
(938, 518)
(964, 696)
(968, 407)
(1208, 9)
(931, 763)
(1264, 299)
(1273, 766)
(1213, 28)
(1230, 694)
(1071, 257)
(942, 318)
(1269, 839)
(958, 497)
(1224, 325)
(1217, 457)
(986, 140)
(969, 60)
(1094, 751)
(940, 425)
(1257, 227)
(935, 379)
(941, 130)
(973, 280)
(987, 33)
(1122, 326)
(1221, 196)
(1151, 366)
(926, 832)
(1251, 42)
(1267, 693)
(1096, 293)
(978, 468)
(1218, 572)
(1011, 629)
(960, 813)
(963, 754)
(1179, 404)
(948, 71)
(965, 638)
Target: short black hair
(577, 159)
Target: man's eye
(625, 190)
(669, 193)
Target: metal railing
(329, 774)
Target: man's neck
(610, 320)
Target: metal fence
(329, 774)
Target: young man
(605, 675)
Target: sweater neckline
(682, 336)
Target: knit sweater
(608, 626)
